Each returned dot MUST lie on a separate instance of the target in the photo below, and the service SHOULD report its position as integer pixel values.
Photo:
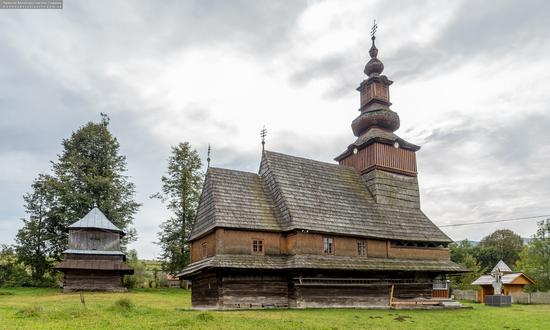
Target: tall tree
(181, 189)
(32, 240)
(89, 172)
(502, 244)
(535, 257)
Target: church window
(362, 248)
(328, 245)
(204, 250)
(257, 246)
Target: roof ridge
(214, 169)
(278, 187)
(305, 159)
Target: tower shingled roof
(95, 219)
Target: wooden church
(304, 233)
(93, 260)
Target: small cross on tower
(208, 156)
(263, 134)
(373, 30)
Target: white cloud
(216, 73)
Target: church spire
(375, 96)
(374, 67)
(385, 161)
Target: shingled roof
(297, 193)
(300, 262)
(234, 199)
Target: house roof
(506, 279)
(97, 220)
(503, 267)
(233, 199)
(297, 193)
(237, 261)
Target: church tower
(386, 162)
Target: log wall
(76, 280)
(206, 291)
(228, 241)
(85, 239)
(259, 291)
(196, 246)
(238, 290)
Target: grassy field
(24, 308)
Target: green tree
(140, 276)
(502, 244)
(89, 172)
(535, 257)
(12, 272)
(463, 254)
(32, 240)
(181, 189)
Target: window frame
(204, 250)
(257, 243)
(328, 244)
(362, 247)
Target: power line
(494, 221)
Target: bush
(205, 317)
(13, 274)
(29, 311)
(124, 303)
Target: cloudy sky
(471, 86)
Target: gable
(233, 199)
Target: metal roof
(73, 251)
(488, 279)
(502, 267)
(95, 219)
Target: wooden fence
(469, 295)
(521, 298)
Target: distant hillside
(526, 241)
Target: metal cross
(263, 134)
(208, 157)
(373, 29)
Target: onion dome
(374, 67)
(380, 118)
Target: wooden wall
(85, 239)
(240, 242)
(196, 246)
(236, 290)
(419, 253)
(206, 291)
(74, 256)
(259, 291)
(383, 156)
(228, 241)
(79, 280)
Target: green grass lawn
(31, 308)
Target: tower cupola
(385, 161)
